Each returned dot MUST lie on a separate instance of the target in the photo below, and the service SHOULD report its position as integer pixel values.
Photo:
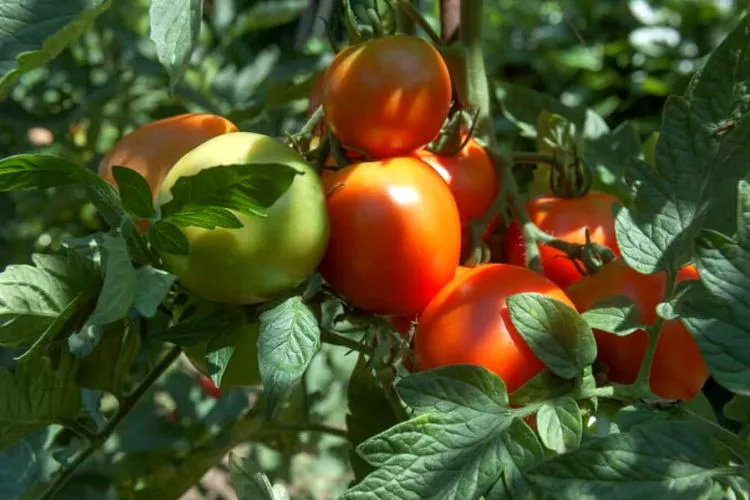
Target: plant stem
(99, 438)
(470, 34)
(342, 433)
(335, 339)
(534, 158)
(409, 10)
(450, 19)
(406, 24)
(311, 122)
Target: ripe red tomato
(388, 96)
(468, 323)
(678, 370)
(471, 177)
(208, 386)
(566, 219)
(395, 235)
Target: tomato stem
(336, 150)
(408, 10)
(478, 93)
(405, 23)
(309, 126)
(335, 339)
(99, 438)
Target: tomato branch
(332, 338)
(309, 126)
(409, 11)
(307, 427)
(97, 439)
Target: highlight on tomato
(565, 219)
(388, 96)
(678, 370)
(268, 255)
(395, 235)
(468, 322)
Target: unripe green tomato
(242, 369)
(268, 255)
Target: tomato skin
(468, 323)
(566, 219)
(152, 150)
(388, 96)
(268, 255)
(678, 370)
(470, 176)
(395, 235)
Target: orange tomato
(678, 370)
(388, 96)
(468, 323)
(395, 235)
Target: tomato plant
(267, 255)
(566, 219)
(388, 96)
(468, 322)
(678, 370)
(387, 254)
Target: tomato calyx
(587, 257)
(571, 180)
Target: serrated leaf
(617, 315)
(118, 289)
(608, 156)
(202, 327)
(37, 302)
(658, 459)
(175, 27)
(42, 171)
(556, 333)
(246, 189)
(34, 396)
(560, 425)
(219, 352)
(134, 191)
(249, 481)
(167, 238)
(106, 367)
(152, 287)
(289, 338)
(205, 217)
(702, 151)
(33, 34)
(369, 414)
(545, 385)
(458, 454)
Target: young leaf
(152, 287)
(701, 153)
(560, 425)
(247, 189)
(33, 34)
(106, 367)
(250, 483)
(135, 192)
(42, 171)
(657, 459)
(36, 302)
(556, 333)
(167, 238)
(175, 27)
(205, 217)
(289, 338)
(118, 290)
(459, 453)
(34, 396)
(617, 315)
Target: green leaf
(118, 289)
(556, 135)
(738, 409)
(369, 414)
(152, 287)
(609, 155)
(42, 171)
(289, 338)
(545, 385)
(175, 27)
(35, 395)
(617, 315)
(205, 217)
(247, 189)
(37, 302)
(22, 464)
(556, 333)
(135, 192)
(266, 14)
(248, 480)
(167, 238)
(464, 441)
(105, 368)
(657, 459)
(560, 425)
(702, 151)
(33, 34)
(202, 327)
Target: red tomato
(471, 177)
(468, 323)
(388, 96)
(566, 219)
(395, 235)
(678, 370)
(209, 388)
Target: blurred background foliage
(255, 63)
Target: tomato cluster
(386, 231)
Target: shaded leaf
(134, 191)
(175, 27)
